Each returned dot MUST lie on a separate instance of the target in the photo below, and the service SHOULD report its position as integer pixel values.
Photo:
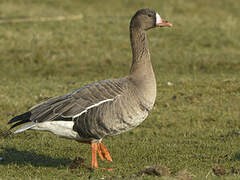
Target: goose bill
(164, 23)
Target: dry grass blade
(42, 19)
(5, 133)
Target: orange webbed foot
(103, 153)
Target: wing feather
(72, 105)
(75, 103)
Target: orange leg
(100, 153)
(94, 155)
(104, 152)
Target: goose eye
(149, 15)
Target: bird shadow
(14, 156)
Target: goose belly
(121, 117)
(127, 123)
(111, 118)
(126, 114)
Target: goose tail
(22, 119)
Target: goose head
(146, 19)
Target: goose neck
(139, 45)
(141, 63)
(141, 73)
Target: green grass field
(195, 123)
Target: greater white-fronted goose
(103, 108)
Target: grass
(195, 122)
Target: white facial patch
(158, 19)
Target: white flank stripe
(94, 105)
(59, 128)
(24, 128)
(158, 19)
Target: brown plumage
(107, 107)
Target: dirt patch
(77, 162)
(235, 171)
(184, 175)
(155, 170)
(219, 170)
